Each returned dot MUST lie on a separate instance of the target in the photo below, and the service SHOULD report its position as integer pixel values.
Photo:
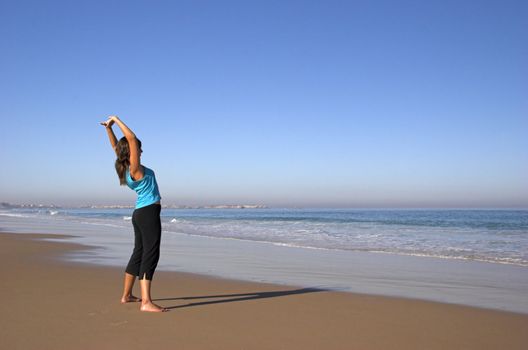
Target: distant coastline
(5, 205)
(174, 206)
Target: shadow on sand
(240, 297)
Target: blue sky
(284, 103)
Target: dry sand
(50, 304)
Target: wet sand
(52, 304)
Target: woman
(146, 216)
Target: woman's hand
(109, 122)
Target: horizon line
(8, 205)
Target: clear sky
(283, 103)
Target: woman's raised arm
(135, 163)
(111, 135)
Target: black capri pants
(147, 232)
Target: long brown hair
(123, 158)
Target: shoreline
(76, 305)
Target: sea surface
(497, 236)
(443, 255)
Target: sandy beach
(51, 304)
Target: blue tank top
(146, 188)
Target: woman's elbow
(131, 137)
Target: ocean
(443, 255)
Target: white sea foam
(100, 224)
(127, 218)
(391, 251)
(15, 215)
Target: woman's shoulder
(148, 171)
(142, 167)
(137, 176)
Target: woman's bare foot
(130, 299)
(151, 307)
